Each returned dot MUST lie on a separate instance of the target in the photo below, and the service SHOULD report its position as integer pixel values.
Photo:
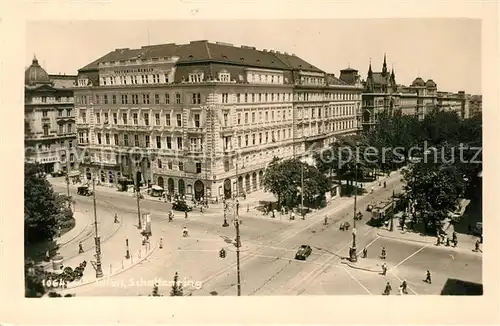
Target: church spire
(384, 67)
(370, 72)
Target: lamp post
(98, 270)
(302, 190)
(238, 245)
(391, 228)
(138, 194)
(225, 224)
(353, 251)
(67, 178)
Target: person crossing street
(383, 253)
(428, 278)
(387, 289)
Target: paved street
(267, 259)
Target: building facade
(49, 125)
(204, 119)
(379, 95)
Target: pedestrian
(47, 255)
(201, 209)
(365, 252)
(384, 269)
(371, 190)
(80, 248)
(428, 278)
(161, 243)
(438, 241)
(454, 237)
(447, 241)
(116, 218)
(385, 184)
(274, 213)
(186, 214)
(404, 286)
(387, 289)
(326, 220)
(477, 246)
(383, 253)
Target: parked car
(84, 191)
(303, 252)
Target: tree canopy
(283, 179)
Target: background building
(379, 95)
(205, 119)
(49, 125)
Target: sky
(445, 50)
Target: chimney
(278, 52)
(264, 50)
(285, 53)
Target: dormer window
(224, 77)
(196, 77)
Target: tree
(40, 206)
(283, 178)
(155, 292)
(434, 190)
(177, 290)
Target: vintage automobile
(56, 174)
(181, 205)
(84, 191)
(303, 252)
(156, 191)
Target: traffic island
(367, 265)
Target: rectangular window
(196, 98)
(81, 138)
(157, 99)
(157, 119)
(225, 98)
(125, 140)
(148, 141)
(260, 138)
(253, 139)
(246, 117)
(145, 98)
(167, 98)
(124, 99)
(246, 98)
(106, 117)
(124, 118)
(253, 97)
(246, 140)
(136, 141)
(167, 119)
(181, 166)
(70, 128)
(253, 117)
(98, 117)
(99, 140)
(197, 120)
(158, 141)
(159, 164)
(113, 98)
(107, 139)
(198, 167)
(177, 98)
(267, 116)
(272, 115)
(224, 77)
(156, 78)
(135, 118)
(260, 97)
(61, 129)
(239, 118)
(239, 141)
(115, 136)
(105, 99)
(225, 119)
(238, 98)
(179, 120)
(169, 142)
(146, 119)
(97, 100)
(170, 165)
(135, 98)
(179, 143)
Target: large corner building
(49, 121)
(205, 119)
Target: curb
(403, 239)
(361, 268)
(113, 274)
(76, 236)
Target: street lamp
(98, 269)
(225, 224)
(391, 228)
(353, 251)
(238, 245)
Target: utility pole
(238, 245)
(67, 178)
(209, 116)
(353, 255)
(302, 190)
(138, 194)
(391, 228)
(98, 270)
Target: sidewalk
(82, 222)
